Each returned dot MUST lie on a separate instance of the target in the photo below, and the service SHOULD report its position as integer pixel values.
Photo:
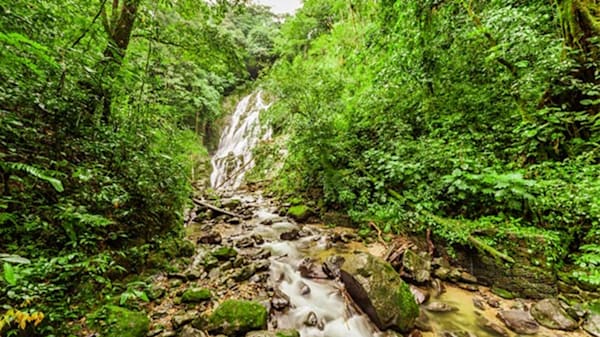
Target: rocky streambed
(260, 270)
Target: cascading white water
(234, 155)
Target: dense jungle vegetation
(103, 109)
(477, 120)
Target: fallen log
(215, 208)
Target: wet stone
(440, 307)
(262, 265)
(224, 253)
(309, 269)
(182, 319)
(417, 267)
(479, 303)
(491, 327)
(437, 287)
(155, 332)
(234, 220)
(290, 235)
(421, 296)
(245, 242)
(519, 321)
(304, 288)
(311, 319)
(493, 302)
(244, 273)
(212, 238)
(550, 314)
(422, 322)
(458, 334)
(280, 300)
(468, 287)
(188, 331)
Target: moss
(287, 333)
(410, 309)
(195, 295)
(294, 201)
(224, 253)
(235, 317)
(503, 293)
(299, 212)
(115, 321)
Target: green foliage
(85, 197)
(477, 119)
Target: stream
(278, 262)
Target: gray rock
(183, 319)
(311, 319)
(244, 273)
(491, 327)
(277, 333)
(479, 303)
(440, 307)
(212, 238)
(188, 331)
(422, 323)
(421, 296)
(519, 321)
(234, 220)
(294, 234)
(592, 324)
(550, 314)
(280, 300)
(379, 291)
(416, 266)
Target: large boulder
(235, 317)
(550, 314)
(379, 291)
(519, 321)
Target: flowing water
(234, 155)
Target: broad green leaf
(9, 274)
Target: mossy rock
(503, 293)
(299, 212)
(234, 317)
(195, 295)
(175, 247)
(379, 291)
(294, 201)
(115, 321)
(224, 253)
(278, 333)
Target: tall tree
(118, 25)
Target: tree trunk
(118, 28)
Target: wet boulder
(416, 266)
(379, 291)
(235, 317)
(519, 321)
(550, 314)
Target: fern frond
(34, 172)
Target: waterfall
(234, 155)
